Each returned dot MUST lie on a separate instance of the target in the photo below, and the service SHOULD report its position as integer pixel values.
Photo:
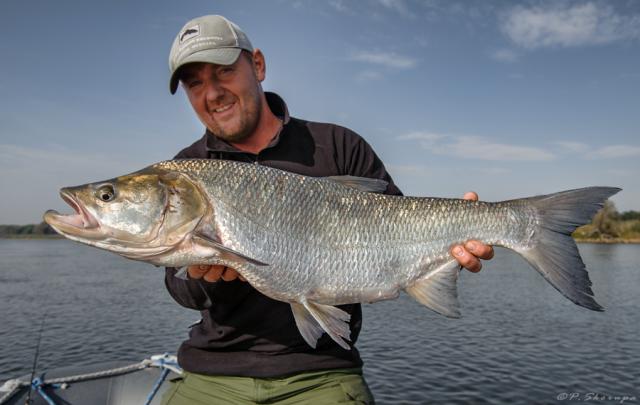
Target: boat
(110, 383)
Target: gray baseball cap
(209, 39)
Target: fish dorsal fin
(438, 290)
(361, 183)
(312, 319)
(210, 247)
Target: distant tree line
(32, 229)
(628, 215)
(608, 223)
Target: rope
(99, 374)
(11, 386)
(164, 361)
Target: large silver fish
(320, 242)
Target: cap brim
(220, 56)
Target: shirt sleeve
(188, 293)
(362, 161)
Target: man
(247, 348)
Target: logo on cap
(189, 33)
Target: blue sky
(506, 98)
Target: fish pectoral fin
(181, 273)
(215, 248)
(438, 290)
(361, 183)
(312, 319)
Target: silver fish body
(321, 242)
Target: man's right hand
(212, 273)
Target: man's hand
(213, 273)
(469, 254)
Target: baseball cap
(209, 39)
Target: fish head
(140, 215)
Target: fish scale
(320, 242)
(336, 236)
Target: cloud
(566, 25)
(504, 55)
(476, 147)
(398, 170)
(339, 5)
(387, 59)
(604, 152)
(621, 172)
(15, 156)
(615, 151)
(493, 171)
(57, 163)
(421, 136)
(367, 76)
(400, 6)
(574, 147)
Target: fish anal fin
(211, 247)
(438, 290)
(309, 328)
(327, 318)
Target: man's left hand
(469, 254)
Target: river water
(519, 341)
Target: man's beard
(249, 119)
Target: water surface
(519, 341)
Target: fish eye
(106, 193)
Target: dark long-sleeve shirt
(242, 331)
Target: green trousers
(343, 386)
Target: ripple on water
(519, 341)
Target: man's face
(226, 98)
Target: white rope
(11, 386)
(161, 360)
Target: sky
(506, 98)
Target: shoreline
(17, 236)
(609, 241)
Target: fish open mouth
(80, 220)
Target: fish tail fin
(554, 253)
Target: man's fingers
(466, 259)
(197, 271)
(214, 273)
(229, 274)
(479, 249)
(471, 195)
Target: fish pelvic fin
(438, 290)
(312, 319)
(554, 253)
